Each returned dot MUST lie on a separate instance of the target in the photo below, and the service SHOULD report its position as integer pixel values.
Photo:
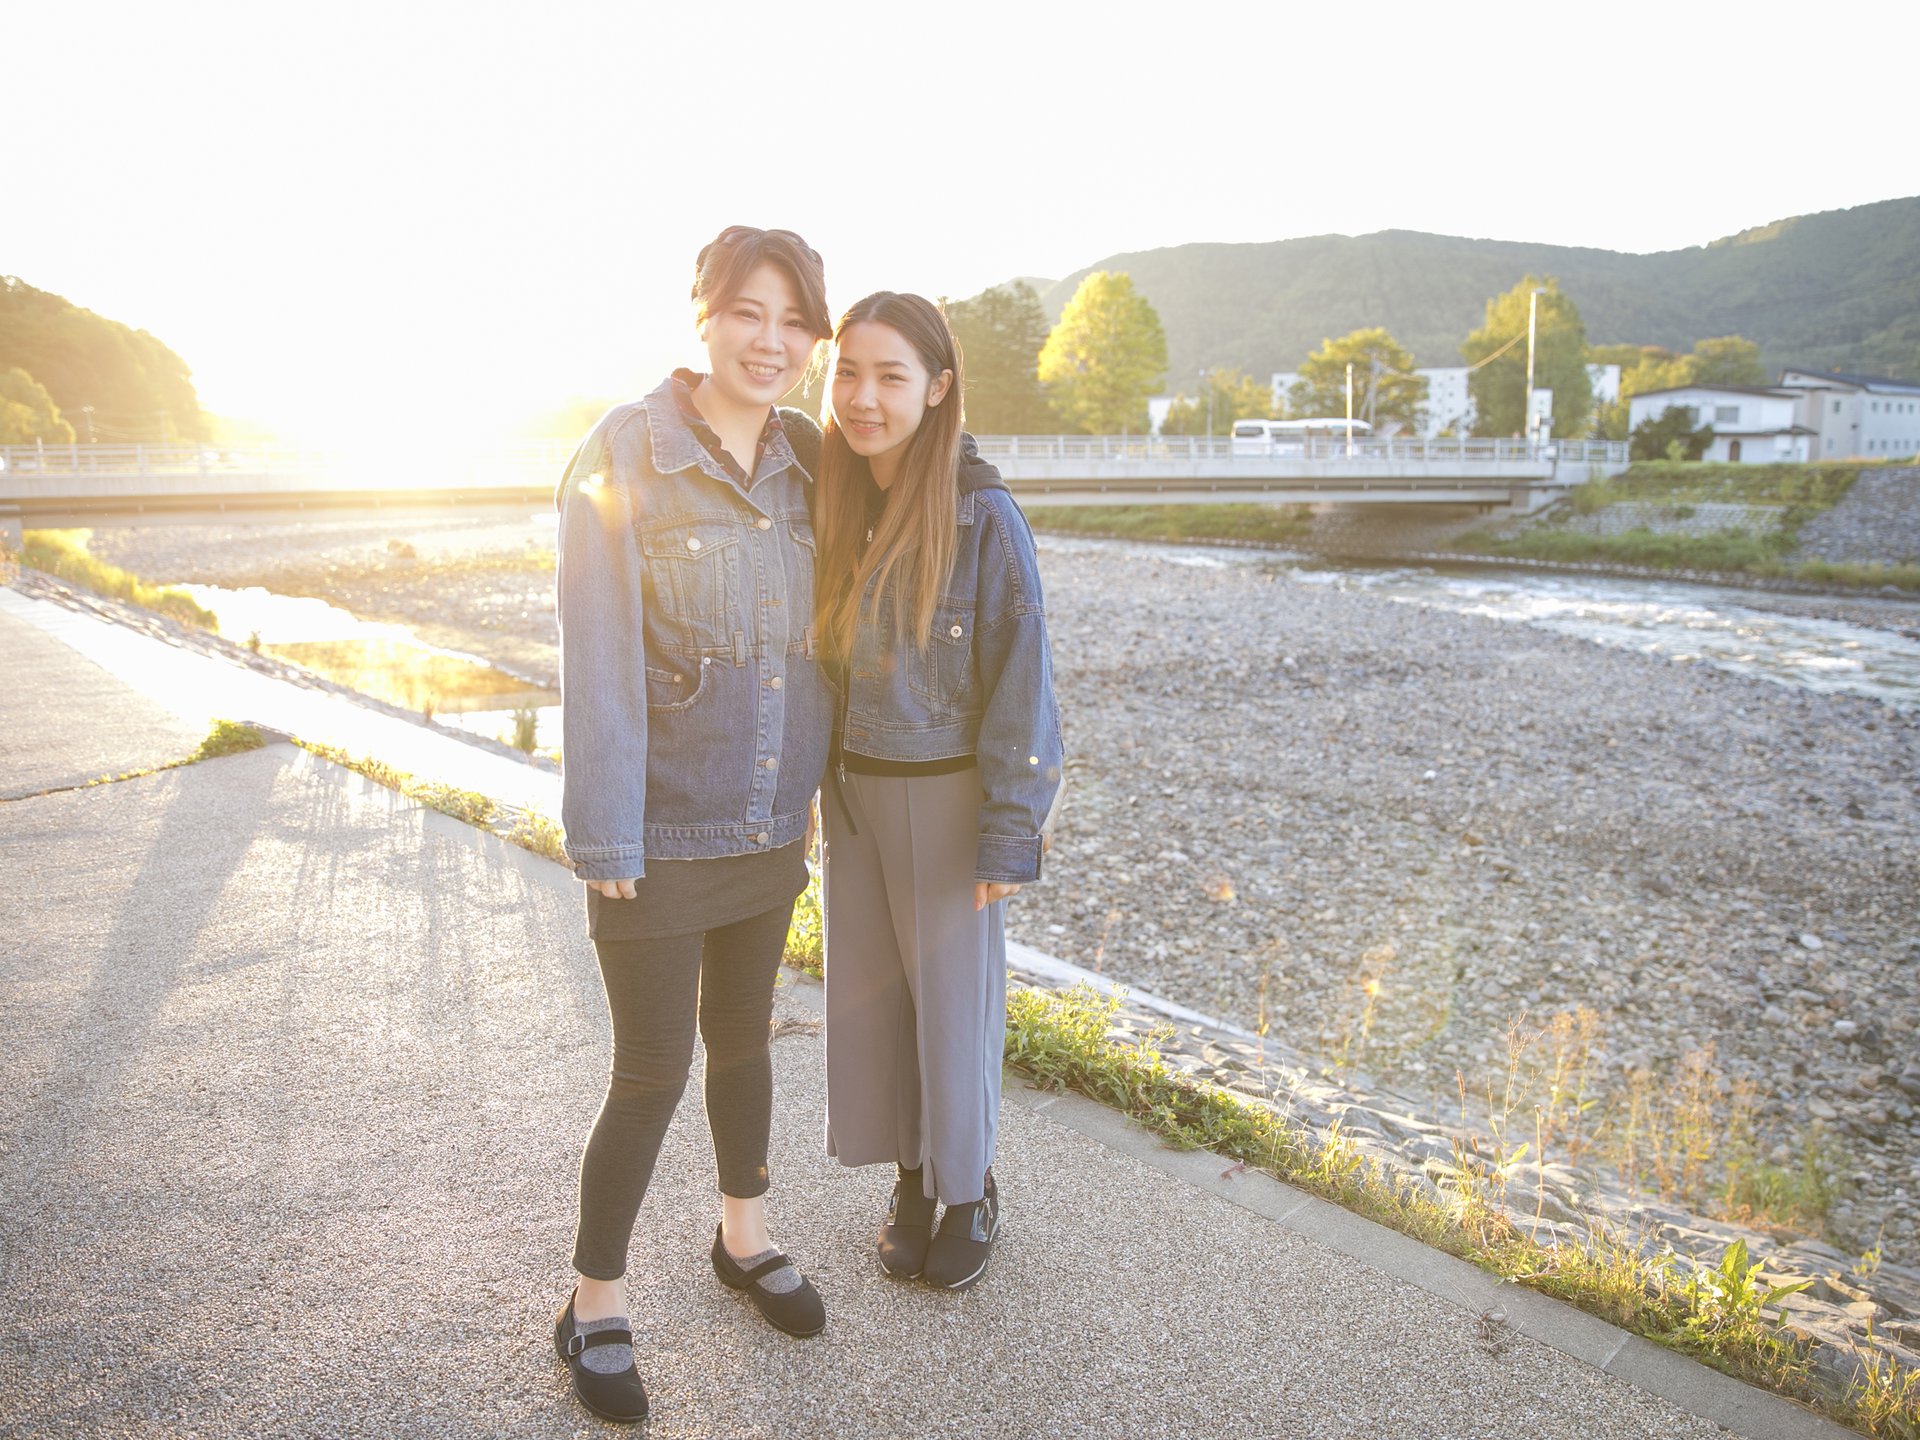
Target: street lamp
(1526, 404)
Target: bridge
(106, 484)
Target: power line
(1498, 353)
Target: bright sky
(434, 220)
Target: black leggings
(654, 989)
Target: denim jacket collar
(675, 447)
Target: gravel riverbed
(1388, 833)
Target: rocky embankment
(1877, 520)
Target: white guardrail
(537, 461)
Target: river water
(1722, 626)
(1743, 631)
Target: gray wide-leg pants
(916, 982)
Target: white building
(1282, 382)
(1809, 415)
(1857, 416)
(1750, 425)
(1604, 380)
(1450, 401)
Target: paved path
(292, 1088)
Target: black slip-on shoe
(619, 1396)
(798, 1311)
(959, 1253)
(908, 1229)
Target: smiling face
(759, 341)
(881, 392)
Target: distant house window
(1836, 407)
(1726, 414)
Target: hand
(985, 892)
(613, 889)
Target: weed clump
(228, 737)
(64, 554)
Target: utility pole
(1526, 404)
(1349, 409)
(87, 410)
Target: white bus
(1290, 437)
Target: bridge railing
(1201, 447)
(545, 457)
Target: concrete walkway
(294, 1080)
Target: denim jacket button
(693, 542)
(761, 838)
(956, 632)
(776, 682)
(706, 659)
(764, 523)
(770, 762)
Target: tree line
(1093, 372)
(68, 374)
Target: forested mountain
(137, 388)
(1837, 290)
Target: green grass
(1872, 576)
(1794, 493)
(64, 554)
(1732, 550)
(1819, 486)
(229, 737)
(1726, 1315)
(1259, 524)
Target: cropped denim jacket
(983, 683)
(695, 714)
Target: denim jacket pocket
(696, 579)
(675, 689)
(942, 674)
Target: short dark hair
(736, 252)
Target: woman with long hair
(947, 760)
(696, 726)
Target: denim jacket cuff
(627, 862)
(1008, 859)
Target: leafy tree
(1642, 368)
(1225, 396)
(1385, 388)
(1728, 360)
(1560, 361)
(1001, 332)
(27, 412)
(133, 387)
(1670, 436)
(1105, 356)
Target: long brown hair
(918, 532)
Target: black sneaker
(908, 1229)
(958, 1255)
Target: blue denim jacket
(695, 714)
(982, 685)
